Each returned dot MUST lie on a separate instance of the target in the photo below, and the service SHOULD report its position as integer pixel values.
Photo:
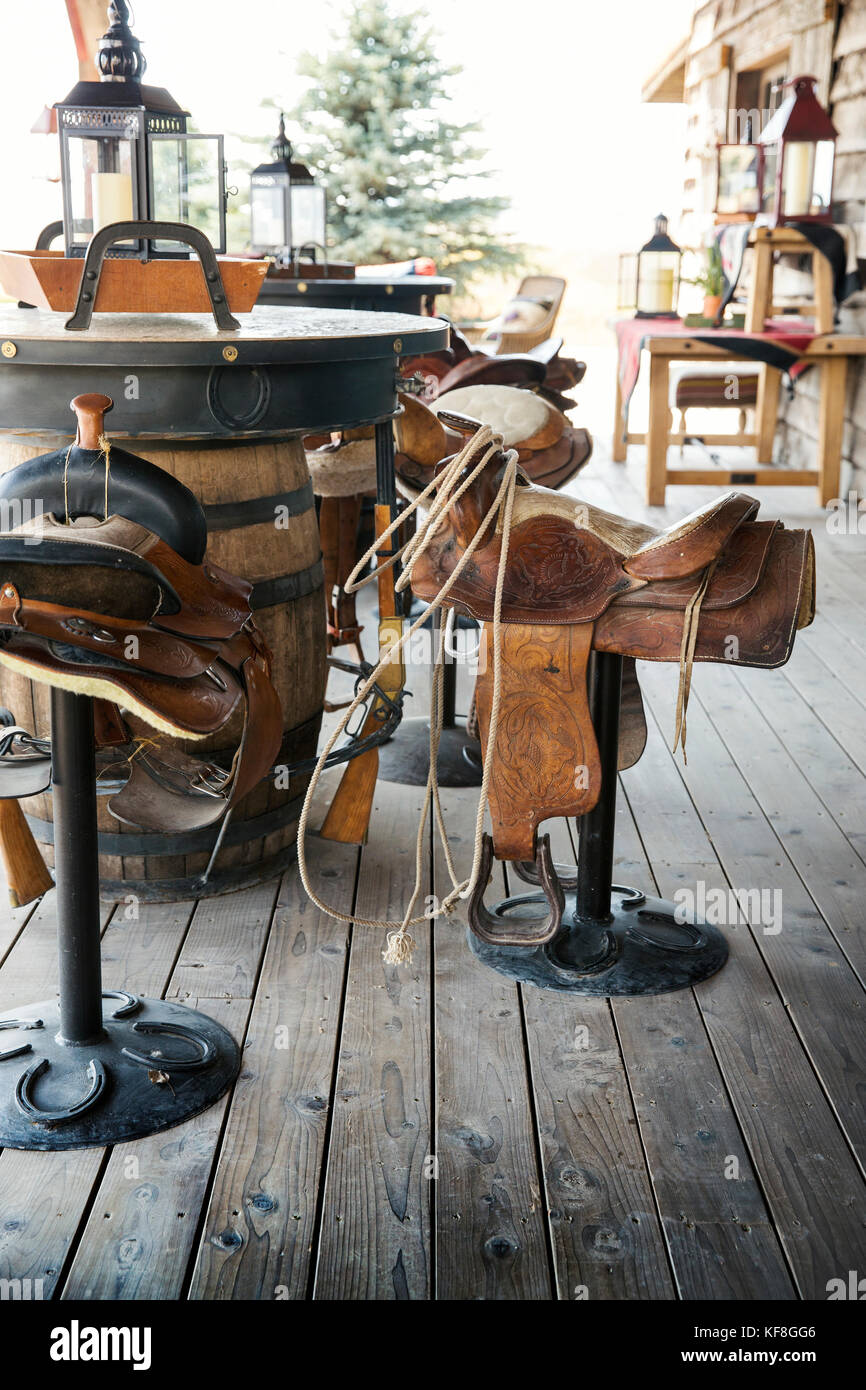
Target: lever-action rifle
(349, 813)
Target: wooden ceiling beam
(88, 20)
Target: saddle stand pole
(613, 940)
(99, 1066)
(406, 759)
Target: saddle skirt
(109, 609)
(717, 586)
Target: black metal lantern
(125, 154)
(649, 282)
(799, 144)
(287, 206)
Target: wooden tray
(48, 280)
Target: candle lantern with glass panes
(739, 176)
(799, 148)
(287, 206)
(126, 154)
(649, 282)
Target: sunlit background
(555, 85)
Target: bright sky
(556, 84)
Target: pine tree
(375, 123)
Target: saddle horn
(90, 410)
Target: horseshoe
(176, 1030)
(28, 1106)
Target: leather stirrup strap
(691, 621)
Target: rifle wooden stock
(348, 815)
(26, 872)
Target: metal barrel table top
(406, 293)
(286, 370)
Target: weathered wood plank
(491, 1238)
(812, 1184)
(818, 722)
(43, 1196)
(29, 972)
(223, 948)
(13, 920)
(605, 1230)
(261, 1216)
(818, 986)
(720, 1235)
(375, 1230)
(831, 870)
(136, 1243)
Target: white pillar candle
(112, 199)
(798, 178)
(657, 291)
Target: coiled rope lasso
(439, 496)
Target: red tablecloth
(778, 346)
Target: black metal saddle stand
(97, 1067)
(613, 940)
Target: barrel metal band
(238, 832)
(255, 511)
(285, 588)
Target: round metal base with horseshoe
(155, 1064)
(646, 947)
(406, 759)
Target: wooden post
(88, 20)
(767, 412)
(822, 278)
(761, 288)
(657, 430)
(618, 446)
(831, 423)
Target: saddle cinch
(106, 590)
(717, 586)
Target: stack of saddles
(106, 590)
(521, 397)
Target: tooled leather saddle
(551, 450)
(460, 364)
(719, 585)
(106, 590)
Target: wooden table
(830, 352)
(408, 294)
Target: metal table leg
(99, 1066)
(614, 940)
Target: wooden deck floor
(434, 1131)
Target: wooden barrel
(262, 525)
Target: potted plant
(711, 280)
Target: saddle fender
(545, 760)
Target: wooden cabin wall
(828, 40)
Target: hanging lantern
(649, 282)
(125, 154)
(287, 206)
(799, 147)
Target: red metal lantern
(799, 144)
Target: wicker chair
(534, 287)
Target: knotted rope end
(399, 948)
